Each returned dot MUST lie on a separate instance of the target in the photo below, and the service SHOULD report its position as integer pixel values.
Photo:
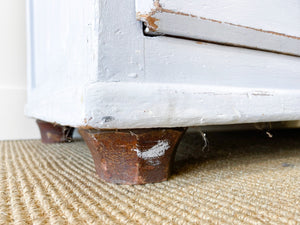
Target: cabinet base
(133, 156)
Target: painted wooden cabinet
(108, 64)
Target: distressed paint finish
(154, 152)
(244, 23)
(55, 133)
(133, 156)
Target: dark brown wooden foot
(133, 156)
(55, 133)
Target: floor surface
(240, 177)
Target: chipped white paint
(154, 152)
(264, 24)
(273, 15)
(105, 74)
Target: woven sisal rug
(238, 178)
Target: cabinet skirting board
(113, 105)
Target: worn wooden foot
(54, 133)
(133, 156)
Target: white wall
(14, 125)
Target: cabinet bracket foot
(54, 133)
(136, 156)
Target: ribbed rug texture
(238, 178)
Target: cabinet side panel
(62, 57)
(62, 42)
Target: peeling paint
(149, 20)
(156, 151)
(159, 8)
